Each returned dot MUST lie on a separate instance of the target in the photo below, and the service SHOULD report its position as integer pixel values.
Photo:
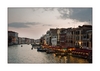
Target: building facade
(63, 32)
(87, 39)
(54, 40)
(12, 37)
(70, 37)
(53, 37)
(81, 36)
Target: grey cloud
(83, 14)
(46, 25)
(32, 23)
(64, 12)
(80, 14)
(50, 25)
(22, 25)
(48, 9)
(43, 8)
(35, 8)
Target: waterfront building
(63, 32)
(12, 38)
(53, 34)
(31, 41)
(80, 37)
(42, 40)
(87, 39)
(22, 40)
(19, 40)
(54, 40)
(26, 40)
(37, 41)
(58, 36)
(47, 39)
(70, 37)
(80, 34)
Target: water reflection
(28, 54)
(69, 59)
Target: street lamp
(80, 44)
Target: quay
(59, 51)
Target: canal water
(24, 54)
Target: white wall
(54, 40)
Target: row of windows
(84, 44)
(83, 37)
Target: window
(87, 35)
(77, 37)
(87, 44)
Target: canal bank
(18, 54)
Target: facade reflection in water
(69, 59)
(18, 54)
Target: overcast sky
(35, 21)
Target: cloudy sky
(35, 21)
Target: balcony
(62, 41)
(85, 39)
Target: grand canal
(18, 54)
